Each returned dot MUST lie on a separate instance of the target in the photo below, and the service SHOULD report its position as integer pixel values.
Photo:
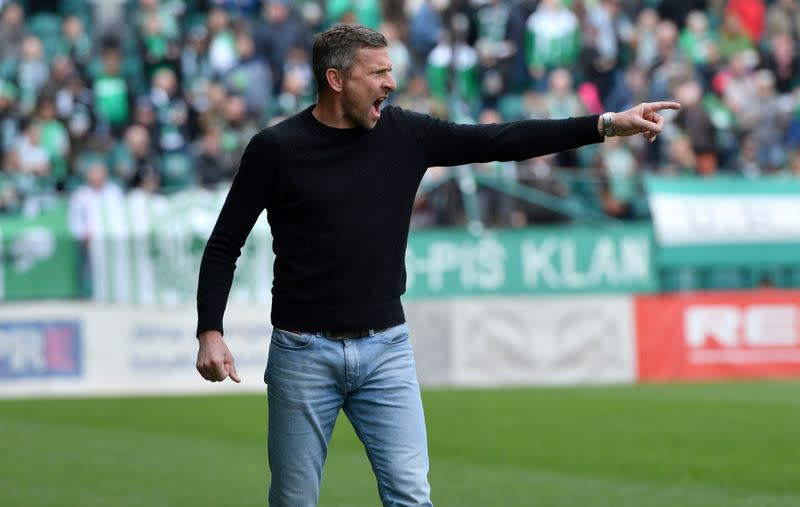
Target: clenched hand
(214, 360)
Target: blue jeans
(374, 380)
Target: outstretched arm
(446, 144)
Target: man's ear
(335, 79)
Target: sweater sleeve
(448, 144)
(246, 199)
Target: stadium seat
(47, 27)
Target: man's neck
(330, 112)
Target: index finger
(658, 106)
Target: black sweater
(339, 203)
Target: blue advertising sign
(40, 349)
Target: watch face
(608, 128)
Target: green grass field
(726, 445)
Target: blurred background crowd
(108, 96)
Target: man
(338, 182)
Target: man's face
(367, 85)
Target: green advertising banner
(537, 260)
(149, 249)
(726, 221)
(39, 257)
(146, 249)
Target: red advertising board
(718, 335)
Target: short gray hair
(337, 47)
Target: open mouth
(376, 106)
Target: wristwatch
(608, 124)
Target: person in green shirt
(54, 138)
(552, 39)
(112, 91)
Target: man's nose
(390, 84)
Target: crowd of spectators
(158, 95)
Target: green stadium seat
(44, 25)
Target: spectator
(562, 102)
(495, 50)
(733, 38)
(783, 62)
(418, 98)
(696, 41)
(222, 43)
(425, 29)
(195, 64)
(212, 113)
(12, 31)
(76, 44)
(143, 160)
(750, 14)
(645, 40)
(771, 121)
(553, 40)
(362, 12)
(783, 17)
(747, 163)
(113, 96)
(239, 127)
(10, 121)
(298, 90)
(696, 124)
(214, 166)
(281, 30)
(29, 158)
(740, 90)
(399, 55)
(74, 107)
(681, 160)
(464, 84)
(671, 67)
(54, 138)
(158, 43)
(251, 78)
(85, 213)
(32, 73)
(172, 112)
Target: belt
(341, 335)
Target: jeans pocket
(393, 335)
(291, 341)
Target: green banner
(38, 257)
(149, 249)
(540, 260)
(146, 249)
(726, 221)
